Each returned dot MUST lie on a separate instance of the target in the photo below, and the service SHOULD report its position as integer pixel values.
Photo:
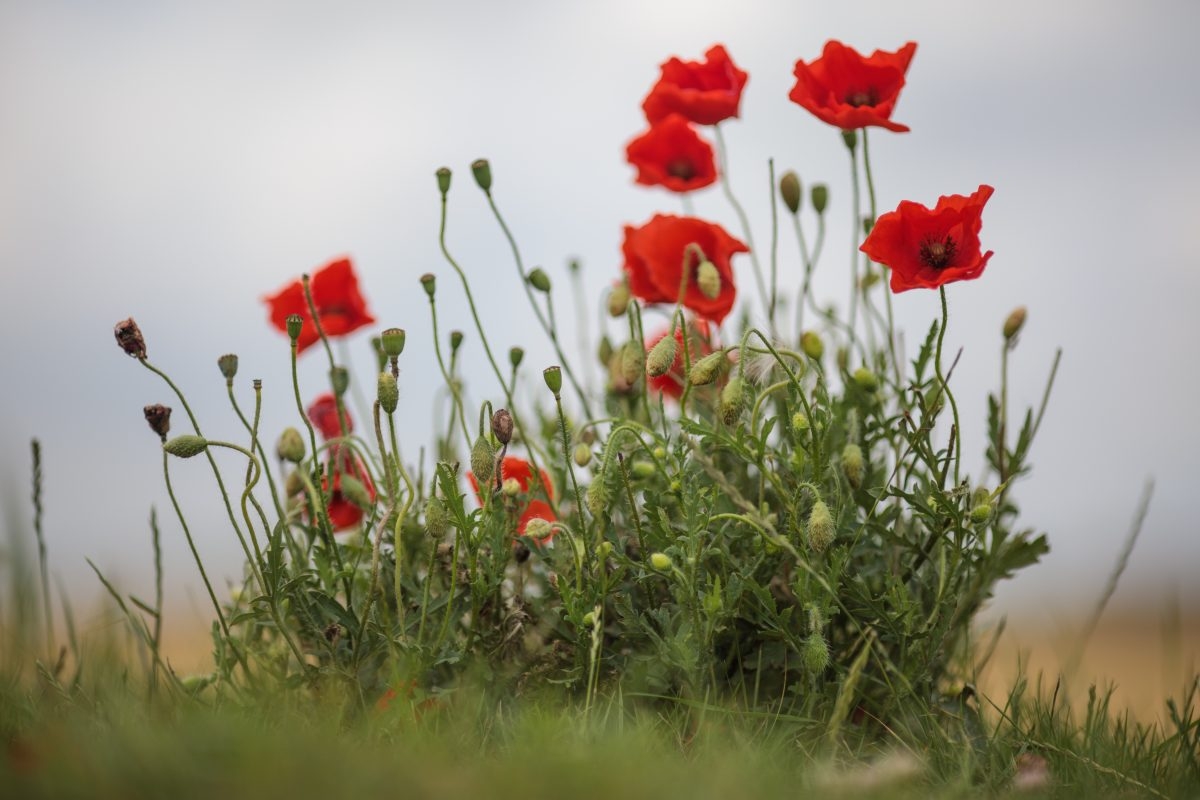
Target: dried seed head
(661, 356)
(502, 426)
(228, 364)
(852, 464)
(708, 369)
(388, 392)
(812, 345)
(129, 337)
(708, 279)
(618, 299)
(821, 531)
(482, 171)
(158, 417)
(483, 460)
(392, 341)
(539, 280)
(733, 397)
(820, 197)
(290, 446)
(789, 189)
(186, 446)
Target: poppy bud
(820, 527)
(799, 421)
(816, 653)
(295, 324)
(339, 379)
(186, 446)
(228, 365)
(589, 619)
(1014, 323)
(393, 341)
(633, 361)
(429, 283)
(539, 529)
(294, 484)
(290, 446)
(732, 398)
(437, 518)
(483, 460)
(443, 179)
(642, 469)
(661, 561)
(820, 197)
(661, 357)
(515, 356)
(582, 454)
(618, 299)
(456, 340)
(353, 490)
(129, 337)
(158, 417)
(388, 392)
(708, 279)
(539, 280)
(789, 189)
(502, 426)
(708, 369)
(604, 550)
(852, 464)
(866, 380)
(511, 487)
(850, 137)
(660, 453)
(597, 498)
(482, 171)
(981, 513)
(605, 351)
(812, 345)
(553, 378)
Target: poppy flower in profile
(850, 91)
(655, 255)
(324, 417)
(339, 303)
(672, 382)
(672, 155)
(926, 248)
(518, 469)
(704, 92)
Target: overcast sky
(176, 161)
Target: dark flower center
(866, 98)
(938, 253)
(681, 169)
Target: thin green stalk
(158, 595)
(43, 562)
(566, 442)
(257, 444)
(316, 319)
(937, 363)
(891, 322)
(774, 243)
(855, 227)
(723, 165)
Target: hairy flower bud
(733, 398)
(511, 487)
(812, 345)
(483, 460)
(816, 653)
(355, 491)
(661, 356)
(502, 426)
(708, 369)
(388, 392)
(129, 337)
(633, 361)
(852, 464)
(1014, 323)
(789, 190)
(290, 446)
(392, 341)
(618, 299)
(186, 446)
(228, 364)
(867, 381)
(539, 529)
(158, 417)
(482, 171)
(604, 351)
(821, 530)
(429, 283)
(437, 518)
(642, 469)
(539, 280)
(582, 454)
(708, 279)
(820, 197)
(597, 497)
(294, 484)
(661, 561)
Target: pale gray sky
(176, 161)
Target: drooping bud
(812, 345)
(661, 561)
(339, 380)
(582, 454)
(539, 529)
(708, 279)
(604, 351)
(708, 369)
(732, 399)
(482, 171)
(852, 464)
(633, 361)
(294, 484)
(290, 446)
(295, 324)
(483, 460)
(388, 392)
(597, 497)
(789, 189)
(865, 379)
(539, 280)
(456, 340)
(437, 518)
(816, 653)
(393, 340)
(502, 426)
(661, 356)
(429, 283)
(820, 197)
(1014, 323)
(355, 491)
(618, 299)
(515, 356)
(443, 179)
(553, 378)
(228, 364)
(158, 417)
(821, 531)
(129, 337)
(186, 446)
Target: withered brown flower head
(129, 337)
(158, 417)
(502, 426)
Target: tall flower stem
(723, 162)
(774, 243)
(448, 377)
(891, 323)
(316, 319)
(258, 446)
(855, 227)
(566, 445)
(937, 363)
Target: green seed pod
(852, 464)
(661, 561)
(290, 446)
(228, 364)
(456, 340)
(515, 356)
(812, 345)
(539, 280)
(642, 469)
(597, 497)
(429, 283)
(733, 397)
(708, 279)
(437, 518)
(186, 446)
(618, 299)
(708, 369)
(816, 653)
(553, 378)
(820, 197)
(443, 180)
(482, 171)
(660, 453)
(789, 190)
(295, 324)
(339, 380)
(633, 361)
(392, 341)
(866, 380)
(661, 356)
(483, 460)
(1014, 323)
(389, 392)
(582, 454)
(821, 531)
(354, 491)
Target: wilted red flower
(673, 381)
(672, 155)
(519, 470)
(927, 248)
(654, 261)
(847, 90)
(338, 301)
(324, 417)
(705, 92)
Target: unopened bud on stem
(789, 189)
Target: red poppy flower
(519, 470)
(324, 417)
(927, 248)
(705, 92)
(847, 90)
(672, 155)
(673, 381)
(338, 301)
(654, 261)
